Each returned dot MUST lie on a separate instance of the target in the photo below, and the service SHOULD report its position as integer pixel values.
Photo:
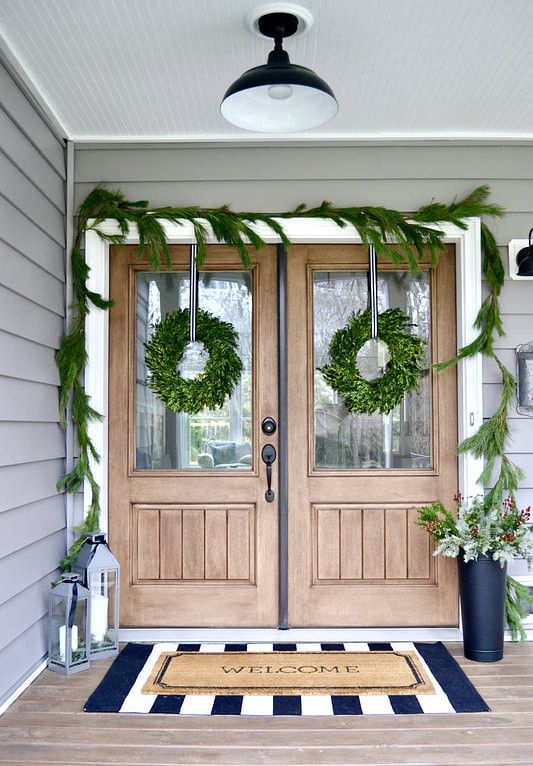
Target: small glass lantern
(69, 616)
(100, 573)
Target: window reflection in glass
(346, 440)
(212, 439)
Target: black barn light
(278, 97)
(524, 260)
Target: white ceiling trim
(262, 138)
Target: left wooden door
(188, 518)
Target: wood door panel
(147, 536)
(195, 546)
(396, 547)
(419, 549)
(171, 544)
(351, 541)
(358, 544)
(366, 562)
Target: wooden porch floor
(47, 725)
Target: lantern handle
(74, 603)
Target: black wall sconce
(524, 260)
(521, 258)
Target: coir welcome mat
(285, 679)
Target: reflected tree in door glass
(345, 440)
(213, 439)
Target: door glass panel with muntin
(352, 441)
(210, 440)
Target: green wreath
(401, 373)
(165, 349)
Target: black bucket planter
(482, 586)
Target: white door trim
(299, 230)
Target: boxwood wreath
(398, 236)
(401, 374)
(164, 352)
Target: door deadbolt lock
(268, 426)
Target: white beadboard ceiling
(109, 70)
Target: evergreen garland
(401, 238)
(401, 374)
(165, 349)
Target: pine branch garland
(399, 237)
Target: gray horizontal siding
(23, 526)
(28, 482)
(24, 401)
(277, 163)
(26, 359)
(24, 277)
(23, 235)
(31, 124)
(32, 445)
(30, 442)
(281, 195)
(31, 602)
(27, 198)
(31, 162)
(22, 317)
(27, 651)
(30, 564)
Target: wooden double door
(189, 518)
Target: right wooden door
(356, 557)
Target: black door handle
(268, 454)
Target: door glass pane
(345, 440)
(213, 439)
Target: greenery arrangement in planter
(484, 537)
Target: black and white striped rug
(121, 689)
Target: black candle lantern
(100, 572)
(68, 628)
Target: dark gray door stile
(283, 479)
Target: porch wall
(274, 178)
(32, 309)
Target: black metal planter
(482, 587)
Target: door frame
(299, 231)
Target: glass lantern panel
(79, 639)
(57, 631)
(60, 633)
(103, 589)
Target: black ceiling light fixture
(279, 97)
(524, 260)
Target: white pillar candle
(63, 640)
(99, 607)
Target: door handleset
(268, 455)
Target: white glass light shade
(279, 97)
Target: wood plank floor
(47, 725)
